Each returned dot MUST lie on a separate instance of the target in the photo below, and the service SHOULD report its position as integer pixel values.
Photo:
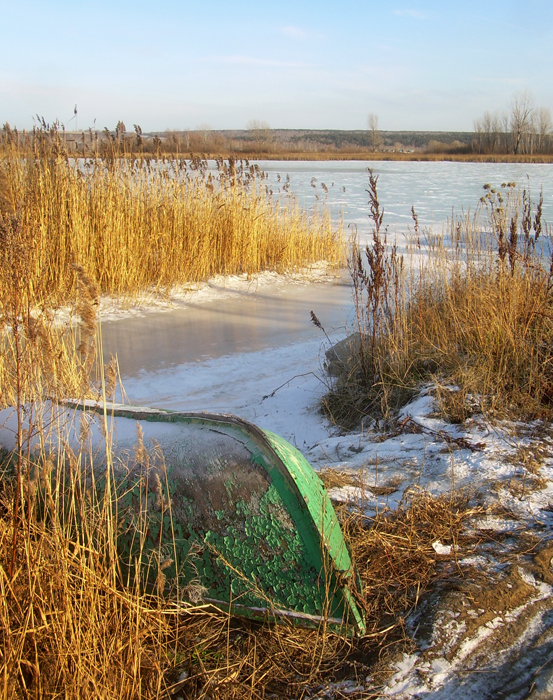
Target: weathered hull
(229, 514)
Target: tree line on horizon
(240, 143)
(523, 129)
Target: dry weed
(473, 314)
(70, 625)
(133, 225)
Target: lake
(433, 188)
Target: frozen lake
(228, 352)
(433, 188)
(270, 315)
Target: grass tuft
(471, 311)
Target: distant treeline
(360, 140)
(525, 129)
(525, 132)
(249, 142)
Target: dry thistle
(315, 321)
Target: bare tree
(505, 130)
(479, 131)
(524, 129)
(204, 130)
(488, 132)
(260, 131)
(522, 110)
(544, 127)
(186, 135)
(375, 138)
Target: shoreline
(306, 156)
(220, 287)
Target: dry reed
(69, 625)
(140, 224)
(470, 310)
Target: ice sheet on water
(435, 189)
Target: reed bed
(39, 357)
(469, 311)
(72, 625)
(134, 225)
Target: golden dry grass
(142, 224)
(473, 313)
(40, 358)
(70, 627)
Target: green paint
(249, 519)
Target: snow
(218, 288)
(440, 548)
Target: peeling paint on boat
(219, 510)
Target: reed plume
(141, 225)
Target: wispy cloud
(409, 13)
(294, 32)
(253, 61)
(499, 80)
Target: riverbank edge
(306, 156)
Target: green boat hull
(225, 514)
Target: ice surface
(433, 188)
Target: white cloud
(293, 32)
(253, 61)
(409, 13)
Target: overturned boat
(221, 511)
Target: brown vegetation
(492, 141)
(471, 311)
(414, 156)
(70, 626)
(138, 224)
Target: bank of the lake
(415, 156)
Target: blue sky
(417, 64)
